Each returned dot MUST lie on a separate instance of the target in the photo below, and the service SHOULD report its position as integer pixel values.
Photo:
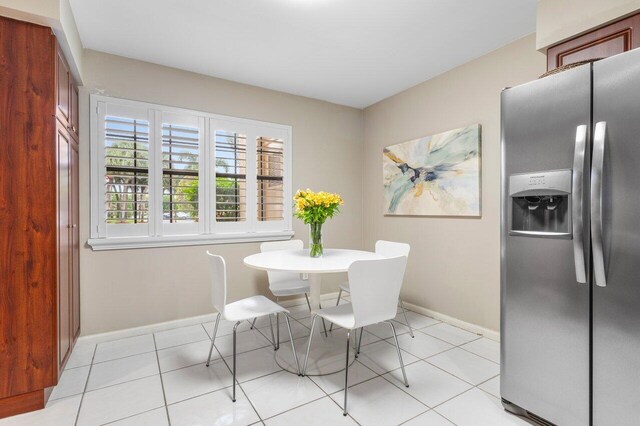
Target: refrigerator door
(545, 310)
(616, 296)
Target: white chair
(386, 249)
(375, 288)
(282, 284)
(241, 310)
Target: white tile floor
(161, 379)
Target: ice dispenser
(541, 204)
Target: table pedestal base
(327, 355)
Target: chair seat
(290, 287)
(340, 315)
(345, 287)
(251, 307)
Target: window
(165, 176)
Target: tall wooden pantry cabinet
(39, 209)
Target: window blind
(127, 170)
(180, 168)
(270, 174)
(231, 176)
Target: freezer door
(616, 289)
(545, 310)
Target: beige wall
(559, 20)
(454, 263)
(128, 288)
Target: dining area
(375, 280)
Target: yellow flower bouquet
(314, 208)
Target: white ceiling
(350, 52)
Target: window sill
(125, 243)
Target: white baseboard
(145, 329)
(184, 322)
(473, 328)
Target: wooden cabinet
(68, 283)
(39, 241)
(610, 40)
(68, 212)
(66, 96)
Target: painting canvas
(436, 175)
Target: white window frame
(207, 230)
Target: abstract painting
(436, 175)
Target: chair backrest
(218, 281)
(375, 289)
(278, 277)
(392, 249)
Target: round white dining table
(299, 261)
(327, 357)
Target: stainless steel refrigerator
(570, 252)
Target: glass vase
(315, 239)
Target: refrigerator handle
(599, 139)
(577, 203)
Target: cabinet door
(75, 243)
(64, 254)
(63, 95)
(610, 40)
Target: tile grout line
(164, 396)
(86, 384)
(128, 417)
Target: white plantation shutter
(180, 166)
(181, 144)
(270, 179)
(126, 161)
(230, 176)
(273, 178)
(123, 195)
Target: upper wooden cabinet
(66, 96)
(607, 41)
(63, 95)
(75, 116)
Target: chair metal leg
(337, 303)
(253, 323)
(355, 341)
(306, 359)
(213, 338)
(306, 296)
(235, 328)
(273, 338)
(395, 337)
(293, 346)
(324, 324)
(404, 312)
(359, 342)
(346, 375)
(277, 327)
